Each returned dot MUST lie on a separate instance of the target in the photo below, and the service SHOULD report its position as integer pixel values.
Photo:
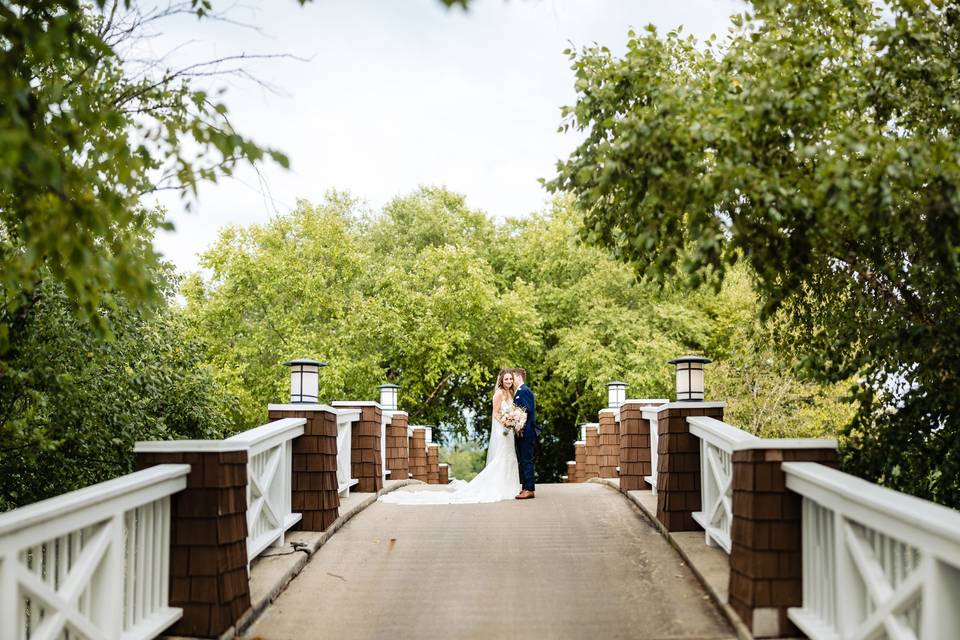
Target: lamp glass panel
(696, 382)
(295, 378)
(311, 383)
(683, 380)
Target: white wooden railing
(92, 563)
(269, 482)
(651, 416)
(876, 563)
(718, 441)
(386, 417)
(345, 420)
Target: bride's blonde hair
(499, 386)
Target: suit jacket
(525, 399)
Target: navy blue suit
(526, 443)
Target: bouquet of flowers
(513, 417)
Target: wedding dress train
(499, 480)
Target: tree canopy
(818, 142)
(433, 296)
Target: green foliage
(466, 459)
(73, 402)
(433, 296)
(413, 310)
(819, 143)
(84, 134)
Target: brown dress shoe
(525, 495)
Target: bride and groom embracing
(509, 471)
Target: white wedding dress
(499, 480)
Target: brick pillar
(444, 474)
(580, 458)
(591, 467)
(398, 447)
(314, 493)
(678, 463)
(208, 540)
(766, 557)
(635, 463)
(571, 471)
(433, 463)
(366, 462)
(609, 444)
(418, 454)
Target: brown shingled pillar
(444, 474)
(314, 493)
(433, 463)
(609, 444)
(766, 556)
(418, 454)
(571, 471)
(591, 467)
(580, 459)
(366, 462)
(398, 447)
(678, 464)
(635, 444)
(208, 541)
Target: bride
(500, 478)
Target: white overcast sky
(400, 93)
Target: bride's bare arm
(497, 397)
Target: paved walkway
(577, 562)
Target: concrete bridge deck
(578, 562)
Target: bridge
(671, 524)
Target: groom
(528, 439)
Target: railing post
(208, 554)
(398, 446)
(608, 454)
(635, 444)
(766, 576)
(580, 460)
(591, 467)
(314, 492)
(366, 458)
(433, 463)
(678, 463)
(418, 454)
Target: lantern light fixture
(690, 377)
(304, 380)
(388, 396)
(616, 394)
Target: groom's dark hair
(522, 372)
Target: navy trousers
(525, 451)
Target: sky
(393, 94)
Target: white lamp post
(616, 394)
(304, 380)
(690, 377)
(388, 396)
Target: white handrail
(719, 433)
(651, 417)
(269, 435)
(345, 420)
(718, 440)
(875, 561)
(269, 482)
(68, 562)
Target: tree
(75, 402)
(324, 281)
(86, 132)
(818, 143)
